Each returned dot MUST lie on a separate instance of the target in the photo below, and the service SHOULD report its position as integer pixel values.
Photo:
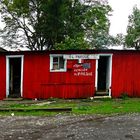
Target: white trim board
(81, 56)
(7, 72)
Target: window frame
(51, 63)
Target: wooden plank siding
(126, 74)
(2, 77)
(39, 82)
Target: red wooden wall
(126, 74)
(2, 77)
(39, 82)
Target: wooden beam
(37, 109)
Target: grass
(83, 106)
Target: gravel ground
(71, 127)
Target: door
(15, 77)
(104, 72)
(14, 74)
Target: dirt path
(124, 127)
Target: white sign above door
(81, 56)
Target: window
(57, 63)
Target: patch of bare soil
(71, 127)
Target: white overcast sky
(119, 18)
(121, 10)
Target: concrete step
(101, 93)
(100, 97)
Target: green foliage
(46, 24)
(74, 44)
(97, 34)
(124, 96)
(133, 28)
(119, 39)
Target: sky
(121, 10)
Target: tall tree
(43, 24)
(133, 29)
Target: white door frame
(8, 75)
(110, 72)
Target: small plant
(124, 96)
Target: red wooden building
(69, 74)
